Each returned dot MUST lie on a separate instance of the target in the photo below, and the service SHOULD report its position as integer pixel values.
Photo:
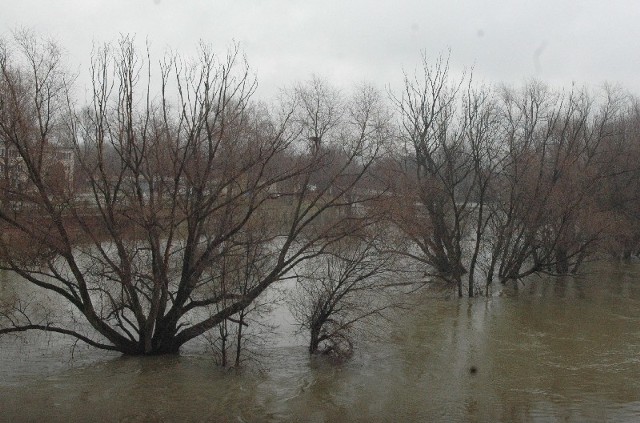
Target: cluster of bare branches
(341, 290)
(188, 201)
(504, 182)
(169, 206)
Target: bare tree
(243, 265)
(506, 183)
(618, 158)
(440, 167)
(340, 291)
(482, 136)
(175, 177)
(550, 182)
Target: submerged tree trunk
(314, 339)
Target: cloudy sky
(347, 41)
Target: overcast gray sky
(346, 41)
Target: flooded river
(552, 350)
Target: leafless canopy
(177, 174)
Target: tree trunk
(314, 342)
(562, 261)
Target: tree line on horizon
(190, 201)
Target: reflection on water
(551, 350)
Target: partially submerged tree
(175, 178)
(619, 203)
(547, 190)
(448, 165)
(243, 264)
(505, 183)
(339, 291)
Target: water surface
(552, 350)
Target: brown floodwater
(552, 350)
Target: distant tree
(618, 204)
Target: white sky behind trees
(350, 41)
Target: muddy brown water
(553, 350)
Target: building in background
(56, 161)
